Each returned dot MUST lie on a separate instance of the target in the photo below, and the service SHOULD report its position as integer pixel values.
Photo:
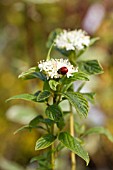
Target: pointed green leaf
(44, 160)
(47, 121)
(32, 73)
(60, 123)
(39, 119)
(90, 67)
(93, 40)
(45, 141)
(52, 36)
(79, 129)
(59, 147)
(26, 127)
(37, 93)
(89, 96)
(76, 76)
(79, 102)
(54, 112)
(43, 96)
(74, 145)
(36, 120)
(99, 130)
(29, 97)
(36, 158)
(40, 75)
(53, 84)
(28, 74)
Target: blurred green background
(24, 29)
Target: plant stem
(52, 151)
(48, 55)
(73, 157)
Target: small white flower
(56, 68)
(72, 40)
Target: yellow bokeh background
(24, 29)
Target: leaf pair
(67, 140)
(70, 142)
(54, 112)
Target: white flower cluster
(72, 40)
(56, 68)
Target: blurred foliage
(24, 28)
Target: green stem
(52, 150)
(73, 157)
(49, 51)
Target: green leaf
(60, 123)
(32, 73)
(43, 96)
(40, 75)
(59, 147)
(79, 129)
(93, 40)
(42, 157)
(36, 120)
(48, 121)
(79, 102)
(36, 158)
(74, 145)
(54, 112)
(53, 84)
(28, 74)
(89, 96)
(90, 67)
(52, 37)
(76, 76)
(45, 141)
(43, 160)
(39, 119)
(29, 97)
(99, 130)
(46, 86)
(37, 93)
(26, 127)
(67, 82)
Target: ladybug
(63, 70)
